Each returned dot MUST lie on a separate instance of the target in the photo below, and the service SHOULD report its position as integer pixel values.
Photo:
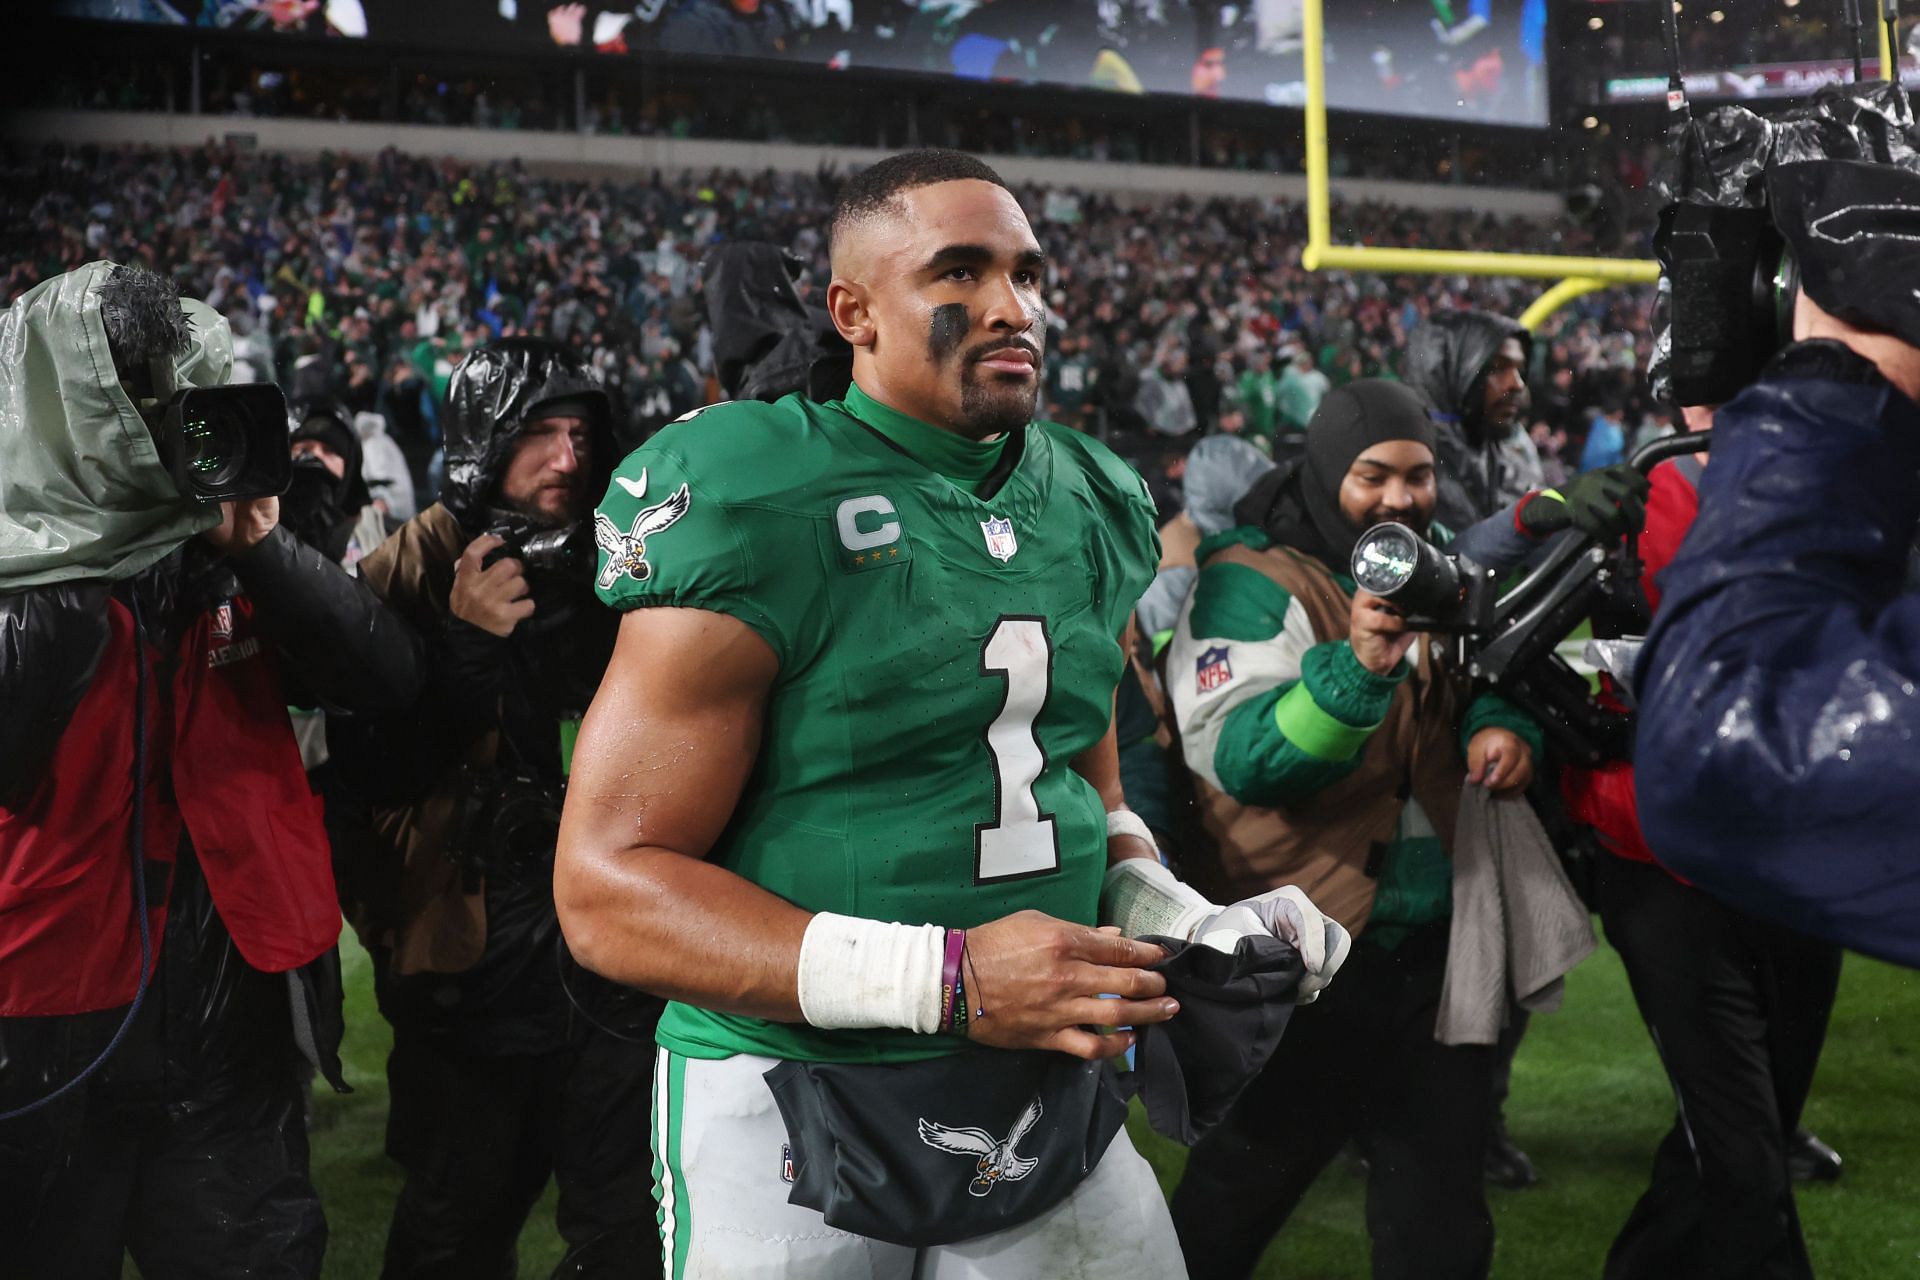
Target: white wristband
(1125, 822)
(1143, 897)
(871, 973)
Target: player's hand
(1500, 760)
(244, 524)
(495, 598)
(1289, 915)
(1040, 981)
(1378, 633)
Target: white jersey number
(1021, 841)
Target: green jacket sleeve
(1491, 711)
(1304, 735)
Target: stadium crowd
(515, 345)
(374, 276)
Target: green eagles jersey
(942, 659)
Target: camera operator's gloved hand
(1607, 504)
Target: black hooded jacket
(318, 507)
(465, 924)
(767, 342)
(1447, 360)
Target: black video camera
(1436, 591)
(1733, 282)
(225, 443)
(1509, 640)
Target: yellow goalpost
(1576, 275)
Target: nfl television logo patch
(1211, 669)
(223, 620)
(1000, 540)
(786, 1163)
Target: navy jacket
(1779, 742)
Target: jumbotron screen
(1479, 60)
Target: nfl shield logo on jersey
(1000, 540)
(1211, 669)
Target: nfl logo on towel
(1211, 669)
(1000, 541)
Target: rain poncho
(1775, 754)
(489, 398)
(1723, 159)
(83, 494)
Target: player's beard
(992, 404)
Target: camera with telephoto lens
(505, 826)
(1509, 640)
(221, 444)
(1436, 591)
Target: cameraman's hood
(489, 400)
(83, 493)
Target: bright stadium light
(1595, 23)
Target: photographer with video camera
(1333, 746)
(509, 1063)
(1776, 757)
(167, 907)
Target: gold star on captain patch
(859, 559)
(893, 551)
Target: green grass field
(1589, 1103)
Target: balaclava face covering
(1300, 508)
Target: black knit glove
(1606, 504)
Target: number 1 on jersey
(1021, 841)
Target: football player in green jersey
(848, 795)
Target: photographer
(151, 638)
(328, 505)
(1775, 750)
(509, 1064)
(1330, 745)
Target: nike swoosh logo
(634, 488)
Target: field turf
(1589, 1103)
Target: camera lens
(1385, 559)
(214, 446)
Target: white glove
(1288, 914)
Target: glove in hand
(1288, 914)
(1607, 504)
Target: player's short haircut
(878, 186)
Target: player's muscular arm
(662, 756)
(657, 771)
